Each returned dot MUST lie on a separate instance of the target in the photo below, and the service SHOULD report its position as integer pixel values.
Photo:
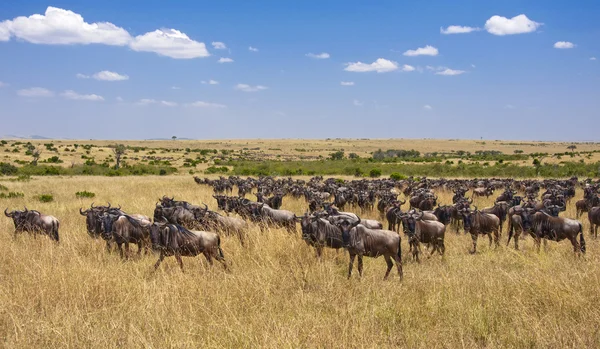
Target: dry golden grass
(277, 294)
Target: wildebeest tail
(399, 248)
(581, 238)
(510, 231)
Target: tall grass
(277, 294)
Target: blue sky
(379, 69)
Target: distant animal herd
(180, 228)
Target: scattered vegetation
(11, 195)
(46, 198)
(85, 194)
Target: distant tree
(174, 137)
(338, 155)
(572, 147)
(353, 156)
(35, 154)
(119, 150)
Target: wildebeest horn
(205, 207)
(92, 205)
(25, 208)
(81, 212)
(119, 207)
(108, 204)
(402, 202)
(475, 210)
(7, 214)
(470, 200)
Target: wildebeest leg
(398, 261)
(474, 238)
(126, 250)
(388, 260)
(139, 252)
(179, 261)
(351, 264)
(545, 245)
(360, 265)
(517, 234)
(208, 258)
(319, 251)
(160, 259)
(120, 246)
(497, 237)
(490, 237)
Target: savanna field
(276, 293)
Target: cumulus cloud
(175, 88)
(408, 68)
(423, 51)
(450, 72)
(347, 83)
(225, 60)
(323, 55)
(202, 104)
(170, 43)
(210, 82)
(106, 75)
(564, 45)
(219, 45)
(357, 103)
(35, 92)
(82, 76)
(119, 99)
(253, 49)
(380, 65)
(248, 88)
(62, 27)
(592, 58)
(70, 94)
(458, 29)
(427, 107)
(520, 24)
(147, 101)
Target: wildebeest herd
(180, 228)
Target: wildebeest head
(18, 217)
(306, 226)
(467, 216)
(443, 214)
(159, 235)
(107, 221)
(345, 224)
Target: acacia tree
(118, 150)
(35, 154)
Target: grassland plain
(276, 293)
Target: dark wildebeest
(487, 192)
(594, 218)
(175, 215)
(33, 221)
(392, 213)
(369, 223)
(318, 232)
(266, 216)
(518, 223)
(175, 240)
(556, 229)
(500, 209)
(125, 229)
(230, 226)
(477, 223)
(361, 241)
(427, 232)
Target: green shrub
(11, 195)
(214, 169)
(85, 194)
(374, 173)
(8, 169)
(397, 176)
(46, 198)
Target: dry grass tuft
(277, 294)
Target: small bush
(214, 169)
(8, 169)
(46, 198)
(374, 173)
(162, 172)
(85, 194)
(11, 195)
(397, 176)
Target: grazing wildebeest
(318, 232)
(361, 241)
(175, 215)
(369, 223)
(34, 222)
(421, 231)
(265, 215)
(500, 209)
(552, 228)
(594, 218)
(483, 192)
(231, 226)
(125, 229)
(175, 240)
(477, 223)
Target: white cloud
(70, 94)
(63, 27)
(323, 55)
(450, 72)
(3, 84)
(253, 49)
(146, 101)
(225, 60)
(520, 24)
(347, 83)
(170, 43)
(358, 103)
(219, 45)
(473, 66)
(106, 75)
(175, 88)
(119, 99)
(509, 106)
(82, 76)
(592, 58)
(564, 45)
(457, 29)
(201, 104)
(35, 92)
(248, 88)
(423, 51)
(407, 68)
(427, 107)
(210, 82)
(380, 65)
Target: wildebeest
(33, 221)
(232, 226)
(175, 240)
(175, 215)
(500, 209)
(594, 218)
(361, 241)
(369, 223)
(265, 215)
(477, 223)
(318, 232)
(125, 229)
(518, 223)
(545, 226)
(421, 231)
(483, 192)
